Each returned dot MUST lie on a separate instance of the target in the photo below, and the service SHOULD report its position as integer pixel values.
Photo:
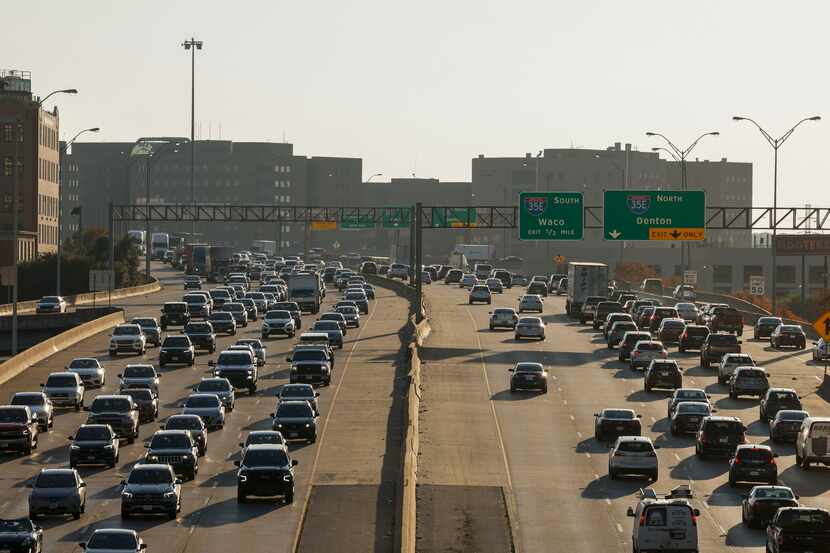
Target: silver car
(278, 322)
(687, 311)
(64, 389)
(40, 406)
(503, 318)
(140, 376)
(530, 327)
(89, 369)
(646, 351)
(531, 302)
(632, 455)
(480, 293)
(256, 345)
(57, 492)
(219, 386)
(208, 406)
(299, 392)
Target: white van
(812, 445)
(667, 524)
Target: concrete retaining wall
(35, 354)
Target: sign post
(654, 215)
(756, 285)
(99, 280)
(551, 216)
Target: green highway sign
(550, 216)
(455, 218)
(397, 217)
(357, 222)
(654, 215)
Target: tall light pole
(60, 208)
(682, 155)
(192, 45)
(148, 246)
(776, 143)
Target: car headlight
(126, 495)
(243, 478)
(169, 495)
(308, 426)
(279, 425)
(152, 458)
(74, 447)
(108, 446)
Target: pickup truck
(726, 319)
(715, 346)
(799, 529)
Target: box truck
(306, 290)
(585, 279)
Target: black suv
(310, 365)
(223, 321)
(201, 335)
(296, 420)
(662, 373)
(693, 337)
(719, 436)
(177, 349)
(175, 448)
(716, 345)
(605, 308)
(119, 412)
(147, 402)
(20, 534)
(192, 423)
(778, 399)
(753, 463)
(265, 470)
(94, 444)
(174, 313)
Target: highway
(496, 466)
(345, 481)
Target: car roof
(742, 447)
(267, 447)
(58, 471)
(723, 418)
(23, 394)
(115, 531)
(644, 439)
(176, 432)
(294, 402)
(153, 466)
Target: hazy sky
(425, 86)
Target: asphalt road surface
(497, 466)
(345, 481)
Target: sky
(423, 87)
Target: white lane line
(257, 401)
(653, 420)
(676, 456)
(579, 435)
(607, 501)
(571, 417)
(596, 477)
(228, 456)
(817, 378)
(588, 455)
(642, 404)
(564, 401)
(619, 528)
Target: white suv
(127, 337)
(480, 293)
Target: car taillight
(694, 519)
(737, 460)
(643, 519)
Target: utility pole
(418, 259)
(192, 45)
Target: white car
(51, 304)
(468, 281)
(687, 311)
(278, 322)
(530, 327)
(731, 361)
(127, 337)
(89, 369)
(398, 270)
(633, 455)
(645, 351)
(480, 293)
(531, 302)
(495, 285)
(821, 350)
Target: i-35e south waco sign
(550, 216)
(654, 215)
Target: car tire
(124, 514)
(681, 349)
(77, 514)
(78, 406)
(611, 474)
(289, 497)
(313, 438)
(732, 395)
(731, 482)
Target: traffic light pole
(418, 261)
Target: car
(21, 534)
(811, 442)
(670, 330)
(109, 540)
(657, 316)
(222, 321)
(652, 286)
(174, 313)
(278, 322)
(193, 424)
(662, 373)
(530, 327)
(725, 319)
(707, 312)
(644, 316)
(250, 307)
(192, 282)
(149, 489)
(716, 345)
(684, 292)
(530, 302)
(64, 389)
(764, 327)
(260, 353)
(468, 280)
(293, 308)
(51, 304)
(687, 311)
(311, 364)
(687, 416)
(339, 318)
(638, 304)
(150, 328)
(479, 293)
(94, 444)
(693, 337)
(398, 270)
(538, 288)
(237, 310)
(208, 406)
(257, 437)
(20, 429)
(655, 516)
(645, 351)
(589, 308)
(332, 329)
(617, 332)
(265, 470)
(239, 367)
(633, 455)
(753, 463)
(752, 381)
(260, 301)
(296, 419)
(613, 318)
(759, 506)
(602, 311)
(731, 361)
(147, 402)
(360, 300)
(39, 405)
(629, 340)
(685, 394)
(719, 436)
(89, 369)
(201, 335)
(453, 276)
(503, 318)
(786, 424)
(370, 290)
(777, 399)
(495, 285)
(176, 448)
(141, 376)
(303, 392)
(197, 305)
(118, 411)
(610, 424)
(788, 335)
(350, 313)
(528, 376)
(821, 351)
(219, 386)
(129, 338)
(57, 492)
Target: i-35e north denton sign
(654, 215)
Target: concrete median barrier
(22, 361)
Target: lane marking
(676, 456)
(607, 501)
(564, 401)
(579, 435)
(571, 417)
(619, 528)
(653, 420)
(588, 455)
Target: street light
(776, 143)
(373, 176)
(681, 155)
(60, 208)
(192, 45)
(666, 150)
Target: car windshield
(504, 312)
(278, 315)
(183, 423)
(783, 397)
(169, 441)
(55, 480)
(691, 394)
(309, 355)
(61, 381)
(718, 429)
(347, 310)
(665, 366)
(773, 493)
(621, 414)
(722, 339)
(214, 386)
(326, 325)
(139, 394)
(150, 476)
(332, 317)
(264, 438)
(649, 346)
(234, 307)
(529, 368)
(751, 373)
(787, 329)
(92, 434)
(140, 371)
(673, 324)
(28, 399)
(769, 321)
(697, 330)
(792, 415)
(234, 358)
(802, 519)
(126, 331)
(623, 326)
(8, 526)
(635, 446)
(175, 307)
(12, 415)
(197, 328)
(265, 458)
(755, 455)
(220, 316)
(144, 323)
(84, 364)
(202, 401)
(294, 410)
(296, 391)
(50, 299)
(633, 338)
(530, 321)
(693, 408)
(195, 298)
(101, 404)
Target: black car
(118, 411)
(628, 342)
(147, 401)
(528, 376)
(174, 313)
(762, 502)
(764, 326)
(777, 399)
(222, 321)
(265, 470)
(748, 381)
(609, 424)
(788, 335)
(693, 337)
(293, 308)
(296, 420)
(687, 416)
(176, 448)
(800, 529)
(94, 444)
(719, 436)
(786, 425)
(201, 335)
(20, 535)
(177, 349)
(662, 373)
(753, 463)
(192, 423)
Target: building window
(722, 273)
(7, 133)
(785, 274)
(816, 274)
(20, 134)
(8, 166)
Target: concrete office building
(28, 152)
(70, 204)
